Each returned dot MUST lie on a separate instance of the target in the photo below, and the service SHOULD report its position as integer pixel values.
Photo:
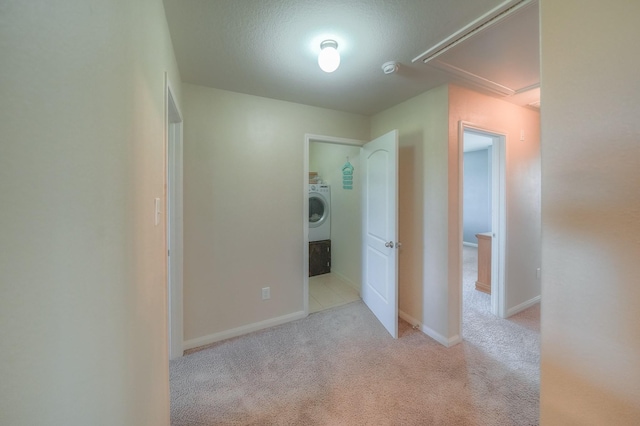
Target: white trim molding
(524, 305)
(408, 318)
(245, 329)
(447, 342)
(474, 27)
(173, 219)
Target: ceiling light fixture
(329, 58)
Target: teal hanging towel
(347, 175)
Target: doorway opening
(173, 221)
(333, 224)
(377, 246)
(482, 222)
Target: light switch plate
(266, 293)
(157, 212)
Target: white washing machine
(319, 212)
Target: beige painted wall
(422, 275)
(82, 305)
(523, 241)
(590, 370)
(243, 201)
(346, 207)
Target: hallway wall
(590, 374)
(83, 318)
(243, 200)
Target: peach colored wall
(522, 191)
(590, 358)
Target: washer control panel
(319, 187)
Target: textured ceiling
(269, 48)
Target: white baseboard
(408, 318)
(239, 331)
(448, 342)
(464, 243)
(523, 306)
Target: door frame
(498, 215)
(308, 137)
(173, 224)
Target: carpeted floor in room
(341, 367)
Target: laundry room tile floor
(328, 291)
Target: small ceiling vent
(487, 20)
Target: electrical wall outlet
(266, 293)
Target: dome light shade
(329, 58)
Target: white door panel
(380, 229)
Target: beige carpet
(340, 367)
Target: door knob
(389, 244)
(398, 244)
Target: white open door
(380, 229)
